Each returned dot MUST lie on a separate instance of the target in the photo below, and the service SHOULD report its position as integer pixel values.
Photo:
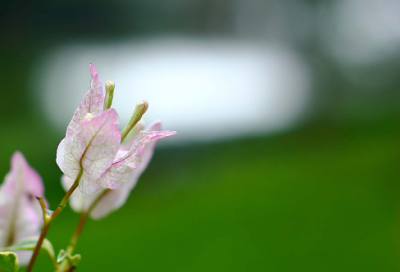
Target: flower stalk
(79, 228)
(49, 219)
(81, 223)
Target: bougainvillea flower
(113, 199)
(93, 144)
(20, 213)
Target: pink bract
(114, 199)
(92, 143)
(20, 212)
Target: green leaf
(73, 260)
(8, 262)
(30, 244)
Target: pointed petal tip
(17, 157)
(17, 154)
(169, 132)
(93, 71)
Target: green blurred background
(322, 195)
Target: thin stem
(77, 233)
(79, 228)
(81, 222)
(43, 206)
(39, 242)
(71, 190)
(47, 221)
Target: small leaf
(8, 262)
(73, 260)
(30, 244)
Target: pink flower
(92, 144)
(20, 213)
(114, 199)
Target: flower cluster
(95, 156)
(110, 200)
(92, 144)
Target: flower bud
(110, 86)
(140, 109)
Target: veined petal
(92, 103)
(102, 139)
(69, 154)
(121, 170)
(93, 149)
(114, 199)
(146, 157)
(77, 201)
(20, 212)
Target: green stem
(48, 220)
(77, 233)
(38, 245)
(79, 228)
(81, 222)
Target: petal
(93, 149)
(77, 200)
(111, 201)
(20, 212)
(69, 154)
(92, 103)
(28, 224)
(121, 170)
(146, 156)
(35, 185)
(114, 199)
(102, 139)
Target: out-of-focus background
(287, 152)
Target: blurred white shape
(361, 31)
(203, 89)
